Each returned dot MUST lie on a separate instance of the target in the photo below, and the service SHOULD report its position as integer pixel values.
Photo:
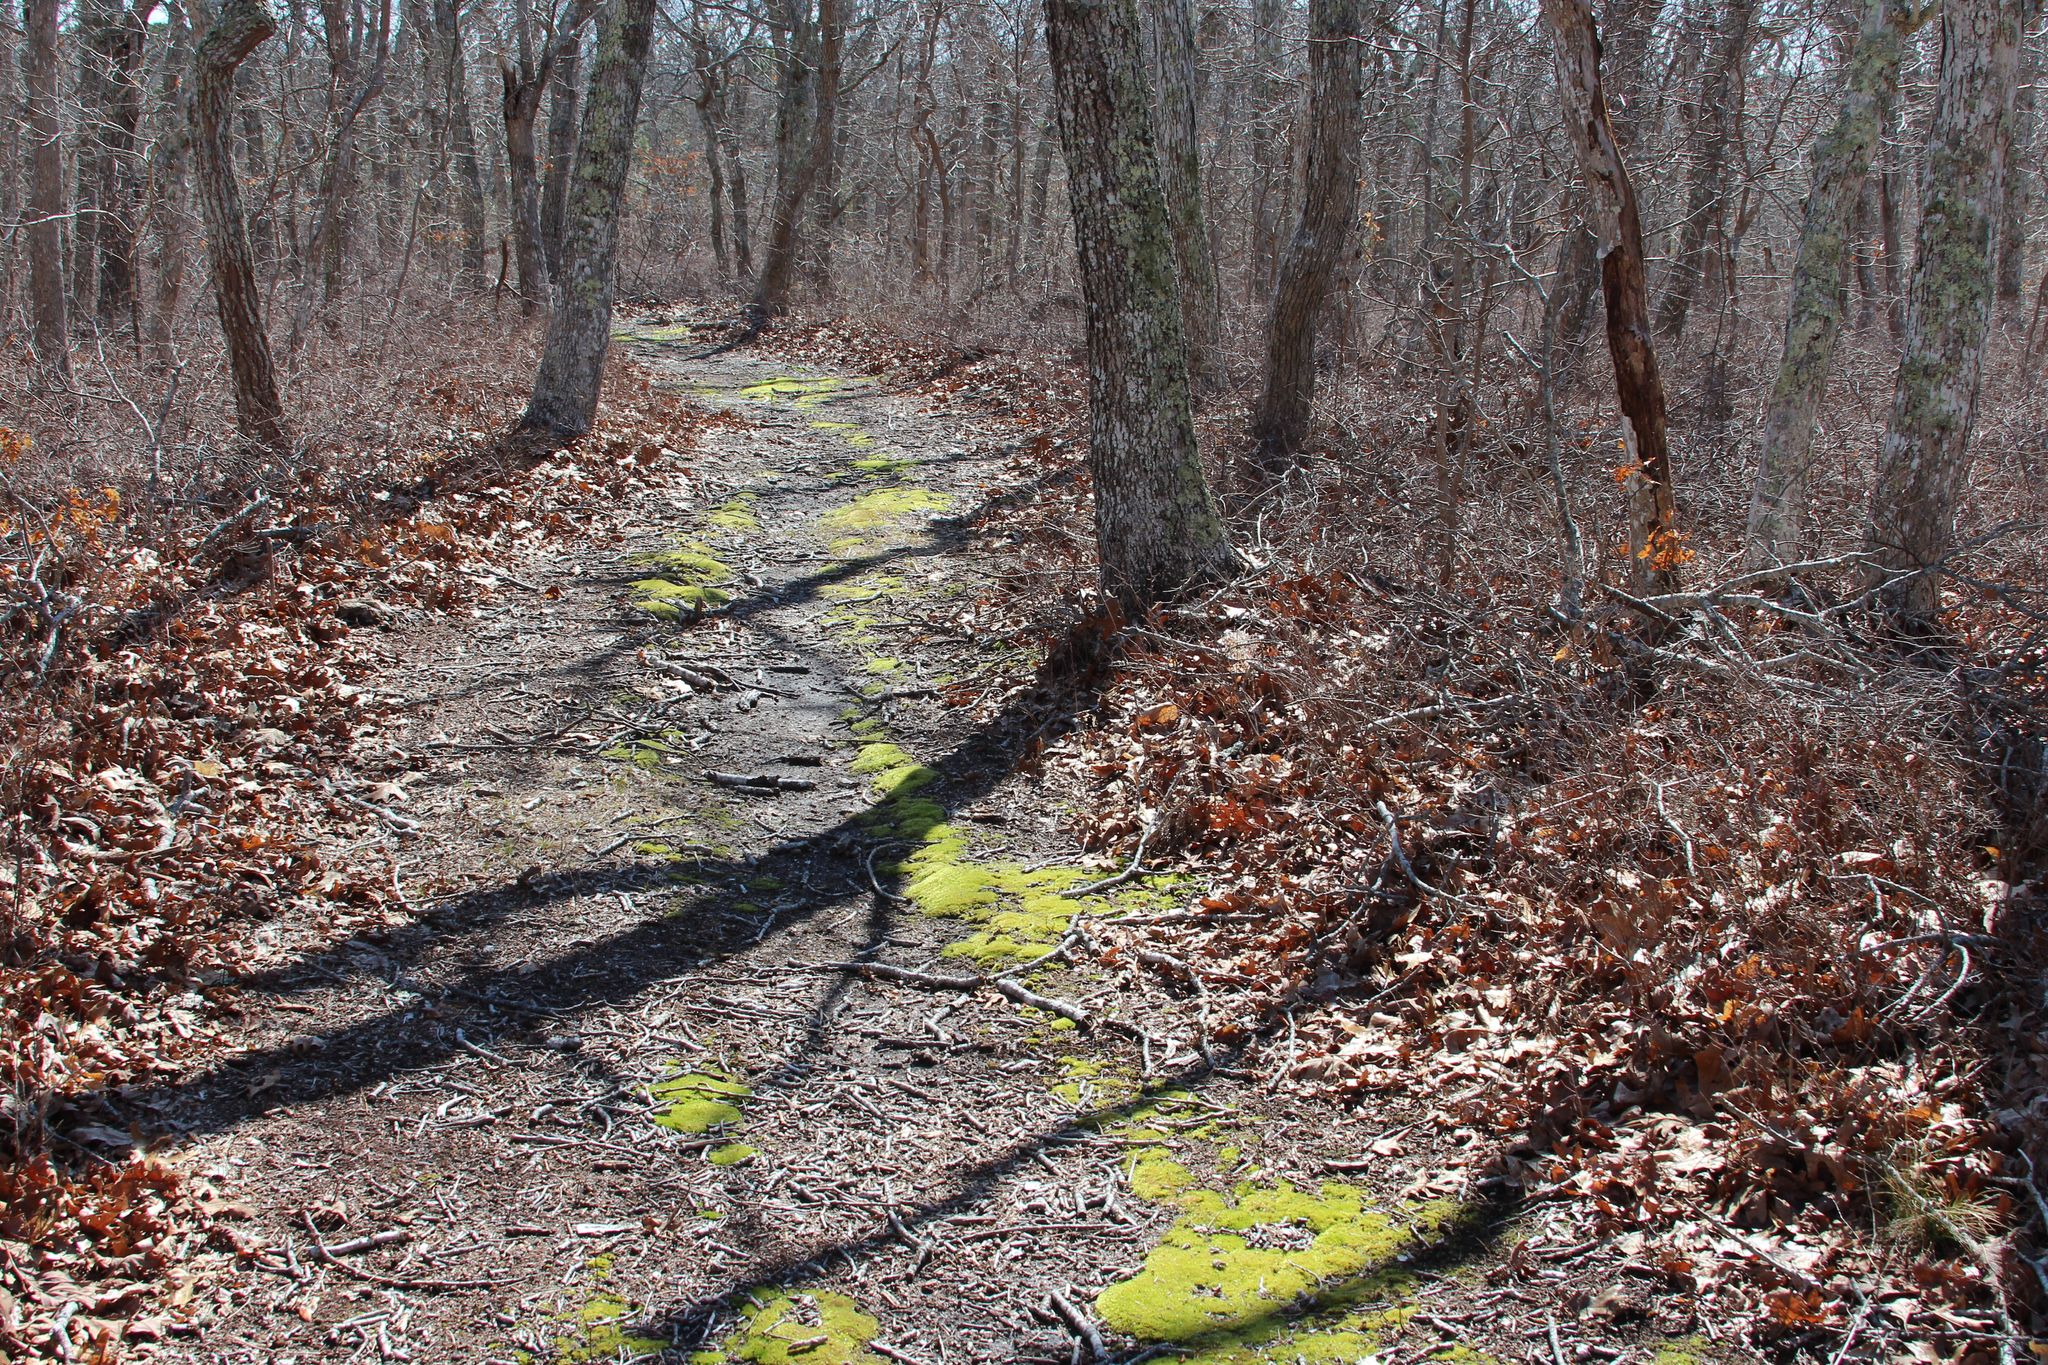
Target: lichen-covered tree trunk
(1156, 526)
(168, 183)
(561, 152)
(566, 387)
(1925, 454)
(1703, 236)
(1280, 422)
(1180, 171)
(46, 206)
(1813, 319)
(1654, 549)
(238, 28)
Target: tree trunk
(2020, 178)
(1270, 100)
(460, 130)
(114, 60)
(237, 29)
(561, 153)
(1925, 454)
(1841, 160)
(1180, 174)
(804, 132)
(1280, 423)
(571, 373)
(1702, 239)
(171, 157)
(521, 108)
(46, 205)
(1156, 526)
(1654, 549)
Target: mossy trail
(626, 1102)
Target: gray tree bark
(571, 374)
(113, 90)
(1280, 422)
(1813, 321)
(804, 129)
(561, 152)
(1703, 237)
(1180, 171)
(1925, 455)
(1156, 526)
(238, 28)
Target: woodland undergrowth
(1708, 936)
(192, 771)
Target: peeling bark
(1654, 549)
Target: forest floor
(748, 1032)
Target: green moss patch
(803, 394)
(882, 509)
(1238, 1261)
(602, 1332)
(651, 752)
(697, 1102)
(736, 514)
(1018, 913)
(732, 1154)
(881, 466)
(848, 432)
(688, 581)
(784, 1327)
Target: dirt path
(614, 1101)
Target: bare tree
(804, 129)
(571, 374)
(238, 28)
(1717, 127)
(1926, 448)
(1280, 422)
(561, 160)
(1654, 549)
(1180, 172)
(1156, 526)
(522, 84)
(1841, 159)
(47, 206)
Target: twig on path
(332, 1256)
(390, 1237)
(1009, 989)
(1079, 1324)
(905, 976)
(1131, 871)
(883, 1348)
(761, 782)
(1066, 1009)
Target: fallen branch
(764, 782)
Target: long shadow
(1469, 1236)
(610, 970)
